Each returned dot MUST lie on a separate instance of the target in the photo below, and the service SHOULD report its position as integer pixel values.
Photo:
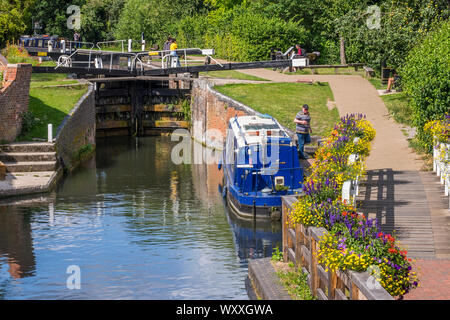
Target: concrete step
(27, 156)
(31, 166)
(21, 147)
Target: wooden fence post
(313, 265)
(285, 232)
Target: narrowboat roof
(250, 130)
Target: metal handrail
(80, 42)
(112, 41)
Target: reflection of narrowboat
(261, 164)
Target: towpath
(402, 197)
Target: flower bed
(353, 241)
(439, 129)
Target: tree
(53, 16)
(100, 18)
(155, 18)
(400, 25)
(15, 19)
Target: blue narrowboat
(260, 164)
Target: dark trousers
(303, 138)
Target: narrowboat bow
(261, 164)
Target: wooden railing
(441, 165)
(300, 245)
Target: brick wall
(77, 130)
(14, 97)
(212, 111)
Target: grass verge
(376, 82)
(49, 105)
(284, 100)
(398, 107)
(328, 71)
(231, 74)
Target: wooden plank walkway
(440, 213)
(399, 202)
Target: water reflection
(16, 243)
(137, 225)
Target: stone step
(27, 156)
(31, 166)
(21, 147)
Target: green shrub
(426, 79)
(29, 121)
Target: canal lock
(141, 106)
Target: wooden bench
(2, 171)
(369, 71)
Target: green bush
(29, 121)
(426, 79)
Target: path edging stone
(265, 281)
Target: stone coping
(265, 281)
(28, 183)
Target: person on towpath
(303, 130)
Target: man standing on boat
(303, 130)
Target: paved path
(402, 197)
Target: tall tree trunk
(342, 46)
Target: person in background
(173, 53)
(166, 50)
(166, 46)
(392, 81)
(303, 130)
(76, 39)
(299, 50)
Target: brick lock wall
(77, 130)
(14, 98)
(212, 110)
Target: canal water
(130, 224)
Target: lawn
(49, 105)
(284, 100)
(231, 74)
(49, 79)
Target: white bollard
(143, 45)
(63, 46)
(130, 42)
(50, 133)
